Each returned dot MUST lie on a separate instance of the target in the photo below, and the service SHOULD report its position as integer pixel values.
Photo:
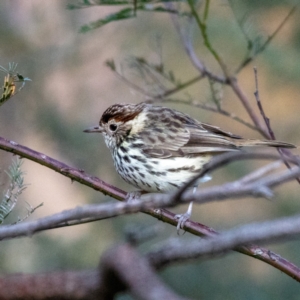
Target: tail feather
(257, 143)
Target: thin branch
(211, 108)
(203, 29)
(158, 96)
(271, 134)
(30, 211)
(73, 173)
(233, 190)
(228, 79)
(81, 214)
(132, 85)
(186, 41)
(246, 103)
(249, 59)
(267, 120)
(259, 173)
(224, 159)
(178, 88)
(231, 80)
(206, 10)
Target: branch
(271, 134)
(226, 158)
(249, 59)
(211, 108)
(121, 269)
(73, 173)
(261, 232)
(186, 41)
(83, 285)
(246, 103)
(228, 79)
(160, 214)
(161, 95)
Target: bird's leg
(182, 218)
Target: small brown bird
(158, 149)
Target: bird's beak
(94, 129)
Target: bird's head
(116, 123)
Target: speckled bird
(158, 149)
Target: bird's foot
(182, 218)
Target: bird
(160, 149)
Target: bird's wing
(179, 135)
(164, 133)
(206, 138)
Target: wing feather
(176, 134)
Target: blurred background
(70, 89)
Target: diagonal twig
(267, 121)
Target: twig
(198, 64)
(249, 59)
(259, 173)
(30, 211)
(267, 120)
(245, 101)
(271, 134)
(211, 108)
(158, 96)
(203, 29)
(228, 79)
(226, 158)
(178, 88)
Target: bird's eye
(113, 127)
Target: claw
(182, 218)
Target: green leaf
(125, 13)
(87, 3)
(151, 7)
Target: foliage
(16, 188)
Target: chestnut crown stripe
(119, 114)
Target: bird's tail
(258, 143)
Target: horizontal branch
(121, 269)
(261, 232)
